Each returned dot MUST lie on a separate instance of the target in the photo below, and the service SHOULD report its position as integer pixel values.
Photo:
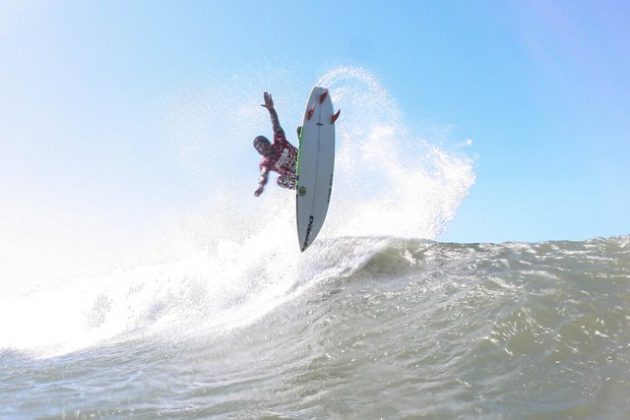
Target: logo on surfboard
(308, 232)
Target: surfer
(279, 156)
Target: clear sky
(91, 95)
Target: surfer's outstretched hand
(258, 191)
(268, 101)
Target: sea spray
(388, 180)
(236, 258)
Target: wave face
(366, 327)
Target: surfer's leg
(286, 181)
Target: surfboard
(315, 166)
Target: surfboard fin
(335, 116)
(310, 112)
(322, 97)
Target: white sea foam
(235, 259)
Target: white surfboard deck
(315, 167)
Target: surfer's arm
(278, 132)
(262, 180)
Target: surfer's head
(262, 144)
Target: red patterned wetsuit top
(284, 158)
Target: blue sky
(87, 92)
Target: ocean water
(378, 319)
(362, 327)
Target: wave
(209, 294)
(230, 262)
